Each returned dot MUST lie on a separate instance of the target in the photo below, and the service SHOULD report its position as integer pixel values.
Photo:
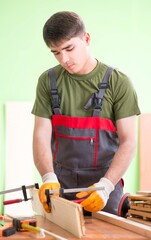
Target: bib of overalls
(84, 147)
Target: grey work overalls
(83, 147)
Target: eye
(70, 49)
(56, 53)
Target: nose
(64, 58)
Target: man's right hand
(50, 182)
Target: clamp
(24, 191)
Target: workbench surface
(95, 229)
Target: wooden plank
(145, 151)
(144, 208)
(19, 163)
(124, 223)
(136, 219)
(95, 230)
(139, 198)
(66, 214)
(139, 213)
(145, 193)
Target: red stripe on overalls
(83, 122)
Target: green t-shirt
(120, 99)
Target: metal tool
(17, 222)
(41, 231)
(5, 228)
(24, 191)
(71, 190)
(74, 190)
(48, 192)
(62, 191)
(19, 189)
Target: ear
(87, 38)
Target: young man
(85, 131)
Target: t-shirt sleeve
(124, 97)
(42, 104)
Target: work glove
(50, 182)
(96, 200)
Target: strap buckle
(103, 85)
(55, 99)
(97, 101)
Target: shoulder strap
(96, 99)
(54, 92)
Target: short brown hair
(62, 26)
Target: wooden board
(145, 151)
(139, 198)
(144, 193)
(19, 163)
(136, 219)
(124, 223)
(96, 229)
(66, 214)
(142, 214)
(140, 209)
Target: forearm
(121, 162)
(42, 157)
(42, 153)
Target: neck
(93, 64)
(90, 64)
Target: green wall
(121, 36)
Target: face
(73, 54)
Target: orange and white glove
(50, 182)
(97, 200)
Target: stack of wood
(140, 208)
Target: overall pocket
(74, 148)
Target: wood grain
(96, 229)
(124, 223)
(64, 213)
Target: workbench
(95, 229)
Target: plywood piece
(124, 223)
(145, 151)
(66, 214)
(19, 163)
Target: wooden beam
(64, 213)
(144, 151)
(124, 223)
(136, 219)
(144, 193)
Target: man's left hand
(96, 200)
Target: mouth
(70, 67)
